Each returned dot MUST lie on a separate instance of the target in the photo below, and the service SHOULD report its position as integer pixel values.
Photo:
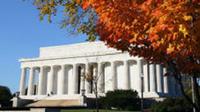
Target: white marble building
(58, 73)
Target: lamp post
(193, 94)
(142, 90)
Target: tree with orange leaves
(161, 31)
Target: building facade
(65, 72)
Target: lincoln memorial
(67, 72)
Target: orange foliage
(158, 30)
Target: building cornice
(72, 56)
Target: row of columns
(153, 80)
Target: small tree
(89, 77)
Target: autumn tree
(160, 31)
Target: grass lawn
(92, 110)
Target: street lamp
(193, 94)
(142, 90)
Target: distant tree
(5, 96)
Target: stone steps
(55, 103)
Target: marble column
(87, 83)
(139, 75)
(50, 81)
(126, 75)
(100, 82)
(70, 80)
(146, 77)
(82, 80)
(41, 81)
(95, 76)
(75, 79)
(166, 88)
(46, 71)
(61, 80)
(159, 73)
(22, 86)
(114, 78)
(31, 82)
(152, 78)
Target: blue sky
(21, 36)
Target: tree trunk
(178, 78)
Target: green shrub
(121, 100)
(172, 105)
(5, 96)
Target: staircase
(55, 103)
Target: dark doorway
(79, 79)
(35, 87)
(91, 81)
